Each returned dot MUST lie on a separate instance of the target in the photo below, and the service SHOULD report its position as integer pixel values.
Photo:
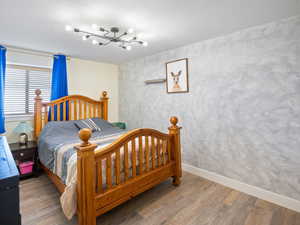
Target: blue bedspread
(62, 136)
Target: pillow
(87, 123)
(103, 124)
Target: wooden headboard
(76, 106)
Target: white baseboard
(278, 199)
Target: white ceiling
(165, 24)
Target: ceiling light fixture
(125, 39)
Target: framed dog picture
(177, 76)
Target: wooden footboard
(137, 161)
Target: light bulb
(95, 42)
(145, 43)
(130, 31)
(128, 47)
(68, 28)
(94, 26)
(139, 36)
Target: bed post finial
(104, 100)
(38, 92)
(174, 132)
(174, 121)
(37, 113)
(86, 179)
(104, 94)
(85, 134)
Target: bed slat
(90, 110)
(52, 113)
(64, 111)
(70, 108)
(169, 150)
(108, 172)
(99, 111)
(94, 111)
(58, 112)
(133, 158)
(126, 167)
(99, 176)
(158, 152)
(85, 110)
(153, 152)
(117, 167)
(80, 110)
(147, 153)
(75, 109)
(141, 157)
(164, 146)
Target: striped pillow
(87, 123)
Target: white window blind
(20, 85)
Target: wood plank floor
(197, 201)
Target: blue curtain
(2, 84)
(59, 87)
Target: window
(20, 85)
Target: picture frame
(177, 76)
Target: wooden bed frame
(94, 199)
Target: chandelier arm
(125, 41)
(96, 35)
(104, 30)
(121, 46)
(138, 41)
(106, 33)
(132, 40)
(107, 43)
(103, 37)
(122, 35)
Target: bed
(108, 167)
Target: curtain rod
(31, 52)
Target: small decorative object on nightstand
(22, 130)
(26, 158)
(121, 125)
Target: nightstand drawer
(23, 154)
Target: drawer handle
(21, 154)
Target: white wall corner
(275, 198)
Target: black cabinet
(9, 187)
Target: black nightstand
(23, 153)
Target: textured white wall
(241, 118)
(87, 78)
